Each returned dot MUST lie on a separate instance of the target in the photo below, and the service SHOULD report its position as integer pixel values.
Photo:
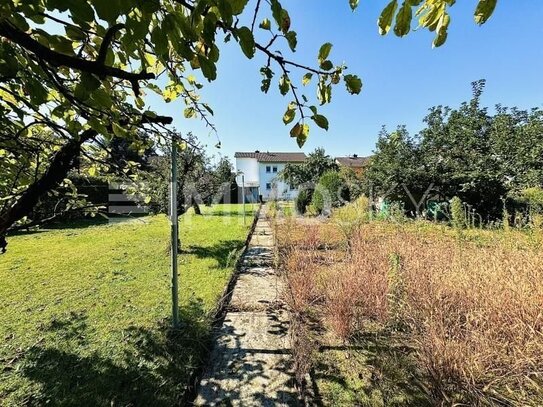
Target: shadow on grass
(376, 369)
(224, 252)
(235, 212)
(149, 367)
(82, 223)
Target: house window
(268, 168)
(274, 168)
(268, 186)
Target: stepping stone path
(251, 363)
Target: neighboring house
(260, 171)
(353, 162)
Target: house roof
(353, 161)
(273, 157)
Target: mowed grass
(84, 311)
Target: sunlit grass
(84, 311)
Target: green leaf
(74, 33)
(307, 78)
(209, 69)
(304, 134)
(108, 10)
(61, 44)
(324, 52)
(90, 82)
(292, 40)
(81, 11)
(208, 108)
(189, 112)
(290, 114)
(324, 92)
(484, 10)
(353, 83)
(284, 85)
(102, 98)
(440, 39)
(98, 126)
(296, 130)
(237, 6)
(385, 19)
(226, 11)
(320, 121)
(285, 21)
(441, 30)
(160, 40)
(265, 24)
(266, 82)
(246, 41)
(326, 65)
(118, 130)
(276, 11)
(210, 25)
(300, 132)
(403, 20)
(38, 93)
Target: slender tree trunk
(196, 207)
(61, 163)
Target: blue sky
(402, 77)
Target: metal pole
(243, 193)
(174, 235)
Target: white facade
(261, 179)
(270, 186)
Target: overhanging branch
(12, 33)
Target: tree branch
(62, 162)
(255, 15)
(24, 40)
(106, 42)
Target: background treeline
(141, 176)
(484, 159)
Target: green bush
(303, 200)
(458, 217)
(331, 184)
(350, 218)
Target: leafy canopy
(82, 71)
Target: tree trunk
(196, 207)
(62, 162)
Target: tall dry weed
(473, 308)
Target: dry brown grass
(472, 306)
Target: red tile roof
(353, 162)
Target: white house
(258, 172)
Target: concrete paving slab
(251, 363)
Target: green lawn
(84, 310)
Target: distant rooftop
(353, 161)
(273, 157)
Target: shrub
(303, 200)
(458, 217)
(330, 192)
(350, 217)
(506, 218)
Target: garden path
(251, 363)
